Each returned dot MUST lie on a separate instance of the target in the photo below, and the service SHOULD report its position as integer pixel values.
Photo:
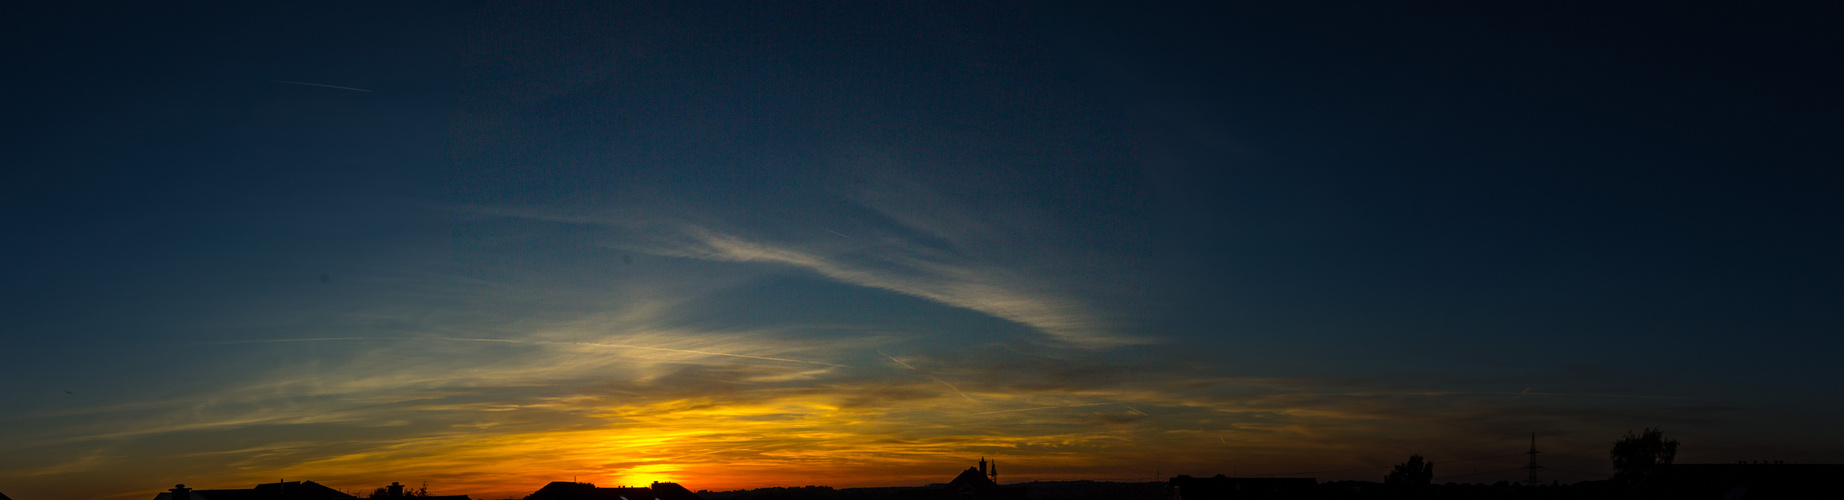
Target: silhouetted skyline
(1750, 480)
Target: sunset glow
(486, 247)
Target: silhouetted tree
(1413, 474)
(383, 492)
(1637, 454)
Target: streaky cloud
(991, 290)
(963, 276)
(1052, 408)
(532, 342)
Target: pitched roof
(291, 490)
(565, 490)
(672, 491)
(972, 481)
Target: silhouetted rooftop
(672, 491)
(970, 484)
(566, 490)
(291, 490)
(971, 481)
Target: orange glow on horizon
(708, 444)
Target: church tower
(982, 466)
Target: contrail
(1143, 414)
(318, 85)
(538, 342)
(833, 232)
(943, 382)
(1049, 408)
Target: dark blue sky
(838, 239)
(1542, 182)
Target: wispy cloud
(912, 272)
(535, 342)
(489, 421)
(891, 263)
(493, 381)
(1040, 408)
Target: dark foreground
(1675, 482)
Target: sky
(738, 245)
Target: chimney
(396, 490)
(181, 492)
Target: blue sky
(756, 245)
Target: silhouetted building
(1741, 481)
(291, 490)
(565, 490)
(672, 491)
(975, 483)
(1224, 487)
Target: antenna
(1533, 460)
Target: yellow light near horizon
(646, 475)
